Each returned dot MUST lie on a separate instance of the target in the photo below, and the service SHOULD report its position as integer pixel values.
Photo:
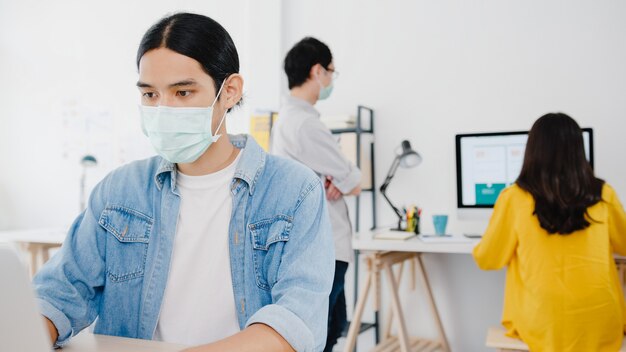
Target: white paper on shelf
(394, 235)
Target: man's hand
(52, 330)
(332, 192)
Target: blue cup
(440, 222)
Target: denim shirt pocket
(127, 245)
(269, 237)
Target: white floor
(365, 342)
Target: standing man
(300, 135)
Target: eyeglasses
(335, 74)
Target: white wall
(67, 62)
(432, 69)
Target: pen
(436, 235)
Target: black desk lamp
(407, 158)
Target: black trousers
(337, 315)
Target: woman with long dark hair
(556, 229)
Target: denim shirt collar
(248, 169)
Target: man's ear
(233, 90)
(314, 72)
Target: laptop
(21, 326)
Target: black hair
(198, 37)
(305, 54)
(557, 174)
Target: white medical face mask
(180, 134)
(325, 91)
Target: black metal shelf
(359, 130)
(349, 130)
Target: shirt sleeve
(69, 286)
(499, 242)
(320, 151)
(299, 312)
(617, 224)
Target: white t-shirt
(198, 305)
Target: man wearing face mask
(213, 243)
(300, 135)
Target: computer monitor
(486, 163)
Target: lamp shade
(409, 157)
(88, 160)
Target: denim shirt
(114, 263)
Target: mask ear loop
(213, 135)
(319, 81)
(219, 92)
(216, 136)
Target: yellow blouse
(562, 292)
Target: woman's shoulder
(514, 198)
(608, 193)
(515, 192)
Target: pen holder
(413, 225)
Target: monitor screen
(486, 163)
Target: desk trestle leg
(355, 326)
(383, 262)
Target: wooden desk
(37, 243)
(87, 342)
(364, 241)
(384, 255)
